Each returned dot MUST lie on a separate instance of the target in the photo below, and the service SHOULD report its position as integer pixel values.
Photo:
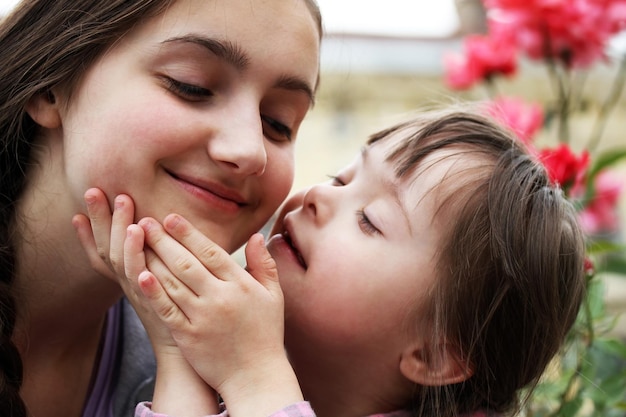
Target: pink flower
(573, 32)
(525, 119)
(600, 215)
(564, 167)
(484, 57)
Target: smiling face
(196, 112)
(356, 258)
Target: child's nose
(317, 202)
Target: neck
(60, 296)
(62, 305)
(345, 386)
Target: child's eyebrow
(232, 54)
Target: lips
(294, 248)
(211, 192)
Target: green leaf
(616, 265)
(612, 347)
(601, 246)
(570, 408)
(604, 160)
(600, 162)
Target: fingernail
(90, 199)
(119, 203)
(173, 220)
(146, 224)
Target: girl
(437, 275)
(188, 103)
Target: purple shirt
(100, 400)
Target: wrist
(179, 390)
(261, 390)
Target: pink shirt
(301, 409)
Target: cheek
(121, 146)
(277, 179)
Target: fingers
(160, 302)
(123, 216)
(108, 230)
(174, 266)
(85, 236)
(101, 218)
(261, 265)
(188, 254)
(134, 255)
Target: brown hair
(46, 44)
(510, 272)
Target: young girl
(437, 275)
(193, 104)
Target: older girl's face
(196, 112)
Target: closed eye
(365, 224)
(275, 130)
(187, 91)
(335, 180)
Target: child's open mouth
(294, 248)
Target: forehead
(434, 181)
(268, 31)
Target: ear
(435, 367)
(43, 108)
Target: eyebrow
(235, 56)
(393, 187)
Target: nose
(239, 144)
(317, 202)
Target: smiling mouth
(201, 189)
(295, 250)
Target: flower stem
(581, 357)
(608, 105)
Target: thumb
(261, 265)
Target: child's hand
(103, 236)
(115, 247)
(228, 322)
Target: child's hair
(46, 44)
(510, 272)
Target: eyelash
(195, 93)
(187, 91)
(279, 128)
(336, 180)
(364, 222)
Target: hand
(104, 237)
(228, 322)
(115, 248)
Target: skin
(168, 118)
(346, 320)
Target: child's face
(356, 257)
(189, 112)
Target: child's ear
(441, 366)
(43, 108)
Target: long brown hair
(46, 44)
(510, 272)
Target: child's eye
(187, 91)
(365, 224)
(336, 180)
(275, 130)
